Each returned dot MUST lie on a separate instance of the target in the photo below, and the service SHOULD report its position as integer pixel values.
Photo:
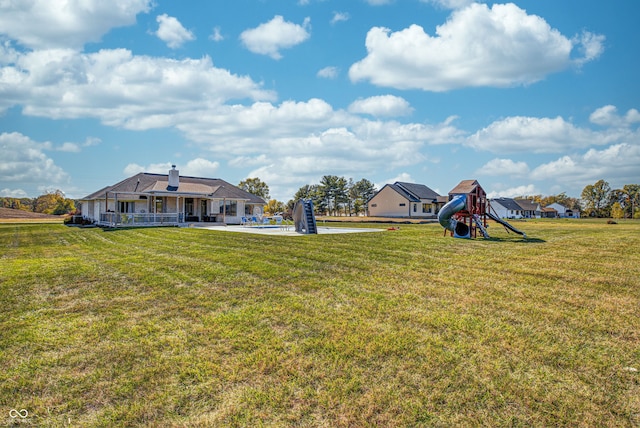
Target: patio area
(275, 230)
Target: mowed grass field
(191, 327)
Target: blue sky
(530, 97)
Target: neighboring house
(157, 199)
(506, 208)
(530, 209)
(563, 211)
(549, 213)
(404, 200)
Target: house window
(415, 208)
(230, 208)
(403, 205)
(374, 205)
(426, 208)
(126, 207)
(159, 205)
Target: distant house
(506, 208)
(530, 209)
(168, 199)
(564, 212)
(548, 212)
(404, 200)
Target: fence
(134, 219)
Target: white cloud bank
(382, 106)
(198, 167)
(120, 89)
(520, 134)
(171, 31)
(47, 24)
(24, 160)
(271, 37)
(501, 46)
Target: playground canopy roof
(465, 187)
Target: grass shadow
(518, 241)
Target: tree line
(54, 202)
(332, 196)
(600, 200)
(340, 196)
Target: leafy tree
(329, 190)
(255, 186)
(54, 203)
(361, 192)
(596, 197)
(312, 192)
(632, 192)
(617, 211)
(274, 206)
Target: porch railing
(136, 219)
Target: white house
(506, 208)
(404, 200)
(157, 199)
(563, 211)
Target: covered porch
(130, 209)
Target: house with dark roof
(530, 208)
(405, 200)
(506, 208)
(147, 199)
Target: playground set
(467, 211)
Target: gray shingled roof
(508, 203)
(414, 192)
(159, 183)
(527, 204)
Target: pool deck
(290, 231)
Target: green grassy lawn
(189, 327)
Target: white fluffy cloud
(136, 92)
(498, 167)
(339, 17)
(198, 167)
(608, 116)
(328, 72)
(537, 135)
(382, 106)
(41, 24)
(513, 192)
(500, 46)
(13, 193)
(618, 163)
(25, 161)
(216, 36)
(171, 31)
(271, 37)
